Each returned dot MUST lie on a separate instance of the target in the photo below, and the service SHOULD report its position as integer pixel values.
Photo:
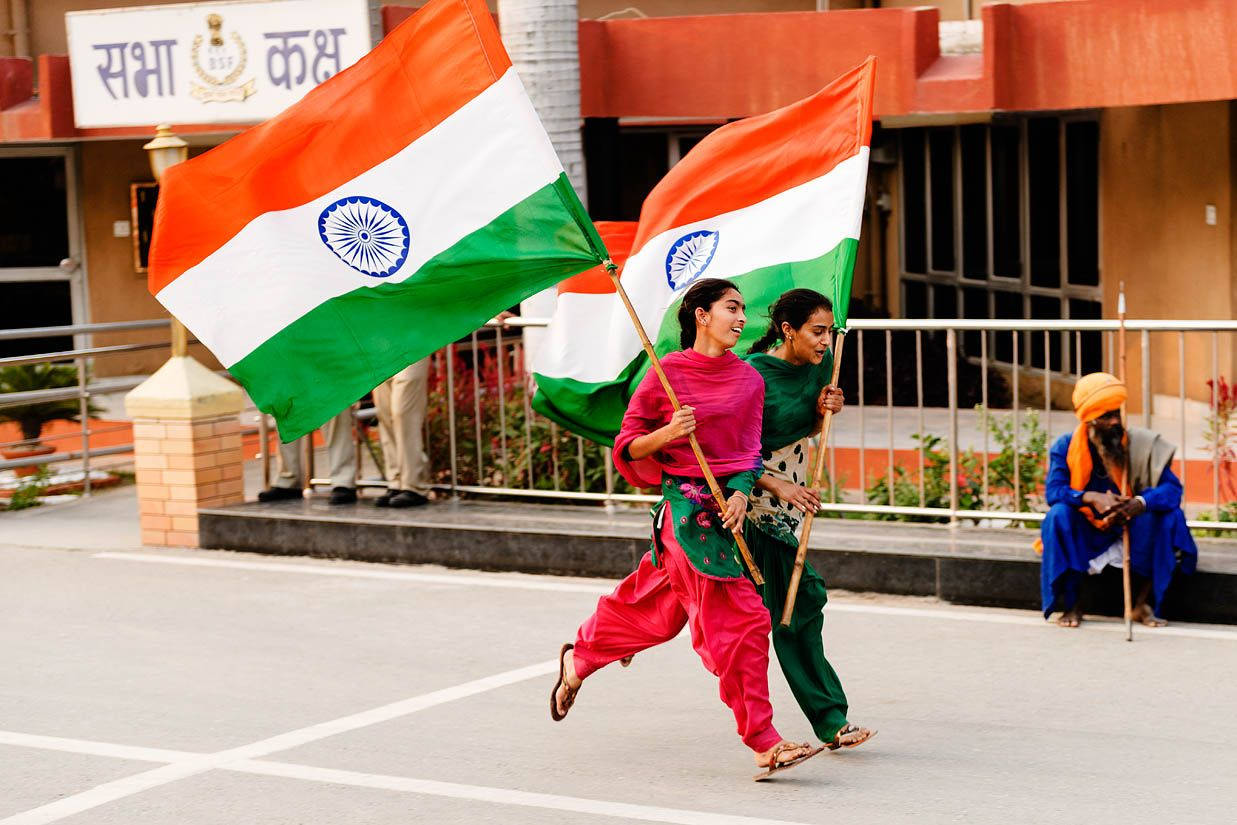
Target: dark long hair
(794, 308)
(701, 295)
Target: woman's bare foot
(783, 754)
(850, 736)
(570, 685)
(1071, 617)
(1143, 614)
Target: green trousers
(800, 648)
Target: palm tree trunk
(542, 38)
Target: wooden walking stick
(612, 270)
(1125, 475)
(818, 478)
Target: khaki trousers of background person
(340, 450)
(400, 401)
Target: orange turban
(1094, 395)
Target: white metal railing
(485, 440)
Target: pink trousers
(729, 627)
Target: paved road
(195, 688)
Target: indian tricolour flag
(394, 209)
(771, 202)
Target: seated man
(1082, 532)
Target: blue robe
(1159, 539)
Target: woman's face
(809, 342)
(724, 320)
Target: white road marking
(90, 748)
(183, 763)
(519, 581)
(500, 796)
(200, 763)
(511, 581)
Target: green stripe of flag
(343, 348)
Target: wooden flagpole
(818, 478)
(1125, 476)
(612, 270)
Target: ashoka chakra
(689, 257)
(366, 234)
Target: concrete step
(965, 565)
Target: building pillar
(187, 446)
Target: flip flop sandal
(861, 735)
(569, 697)
(778, 767)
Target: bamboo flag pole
(1125, 476)
(612, 270)
(818, 478)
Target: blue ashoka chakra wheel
(366, 234)
(689, 257)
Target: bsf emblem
(219, 61)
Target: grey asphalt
(193, 687)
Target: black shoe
(279, 494)
(407, 498)
(343, 495)
(384, 500)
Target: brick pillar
(187, 445)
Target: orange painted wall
(1119, 53)
(117, 292)
(666, 68)
(1159, 168)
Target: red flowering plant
(499, 440)
(1220, 432)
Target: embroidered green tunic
(697, 522)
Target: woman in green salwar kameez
(797, 392)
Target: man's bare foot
(1143, 614)
(1071, 617)
(783, 753)
(565, 695)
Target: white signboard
(229, 62)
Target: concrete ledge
(965, 565)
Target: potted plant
(31, 418)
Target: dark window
(1045, 308)
(1006, 203)
(941, 179)
(974, 305)
(1006, 305)
(974, 198)
(1044, 216)
(1091, 357)
(915, 299)
(1082, 177)
(35, 304)
(914, 220)
(944, 301)
(34, 223)
(974, 201)
(622, 167)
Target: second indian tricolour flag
(771, 202)
(396, 208)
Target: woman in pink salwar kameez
(693, 575)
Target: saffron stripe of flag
(395, 208)
(771, 202)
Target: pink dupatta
(727, 395)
